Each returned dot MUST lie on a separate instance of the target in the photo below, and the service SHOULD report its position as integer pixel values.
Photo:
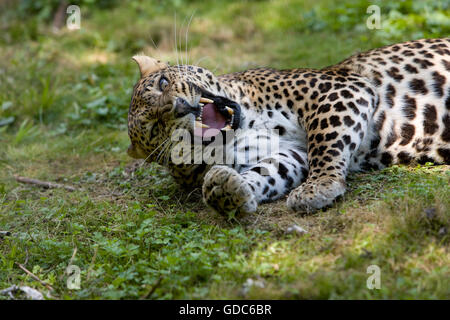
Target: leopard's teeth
(230, 111)
(198, 124)
(226, 128)
(206, 100)
(199, 119)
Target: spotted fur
(386, 106)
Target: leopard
(383, 107)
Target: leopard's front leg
(227, 191)
(334, 137)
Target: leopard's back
(412, 119)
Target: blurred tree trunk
(60, 16)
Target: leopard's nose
(182, 107)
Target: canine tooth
(226, 128)
(230, 111)
(206, 100)
(198, 124)
(198, 118)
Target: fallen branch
(44, 184)
(59, 17)
(45, 284)
(152, 289)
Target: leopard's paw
(314, 195)
(227, 192)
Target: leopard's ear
(148, 65)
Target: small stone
(430, 213)
(295, 229)
(366, 254)
(249, 283)
(30, 293)
(4, 234)
(442, 231)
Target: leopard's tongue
(212, 118)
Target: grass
(132, 233)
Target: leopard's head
(167, 98)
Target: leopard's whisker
(153, 152)
(176, 43)
(154, 44)
(201, 59)
(180, 39)
(187, 31)
(217, 66)
(167, 153)
(164, 144)
(162, 152)
(166, 156)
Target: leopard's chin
(135, 152)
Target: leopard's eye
(163, 83)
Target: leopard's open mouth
(216, 114)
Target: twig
(44, 184)
(190, 193)
(157, 202)
(92, 263)
(73, 255)
(152, 290)
(26, 258)
(45, 284)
